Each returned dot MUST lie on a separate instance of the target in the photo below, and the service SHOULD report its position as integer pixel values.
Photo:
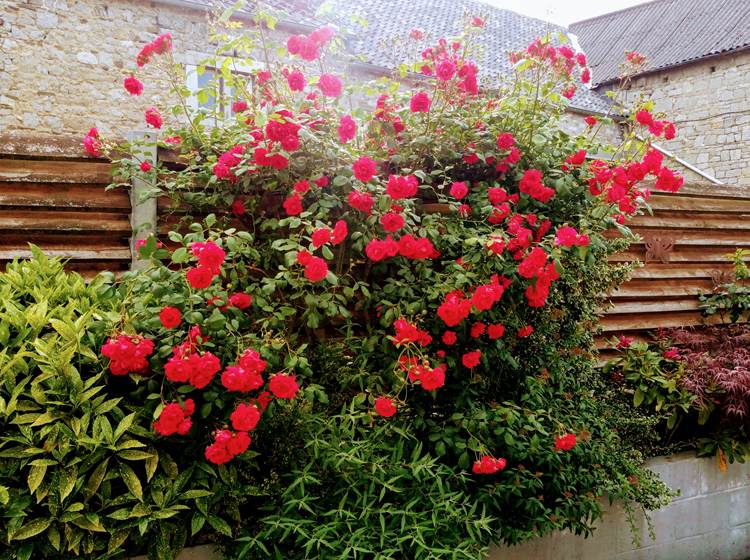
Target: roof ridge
(617, 12)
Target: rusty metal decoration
(658, 247)
(720, 278)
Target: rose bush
(380, 323)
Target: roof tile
(668, 32)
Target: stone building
(63, 61)
(697, 71)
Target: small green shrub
(80, 474)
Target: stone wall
(63, 63)
(710, 520)
(709, 102)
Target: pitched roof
(381, 41)
(668, 32)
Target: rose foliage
(374, 320)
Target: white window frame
(238, 66)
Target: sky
(563, 12)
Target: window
(203, 83)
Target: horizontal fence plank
(613, 323)
(54, 220)
(703, 204)
(692, 220)
(62, 195)
(663, 287)
(106, 254)
(52, 171)
(707, 255)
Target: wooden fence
(683, 248)
(55, 197)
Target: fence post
(143, 213)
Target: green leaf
(95, 479)
(638, 397)
(220, 525)
(31, 529)
(124, 425)
(36, 475)
(131, 481)
(197, 523)
(67, 481)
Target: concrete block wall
(710, 520)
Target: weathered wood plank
(699, 204)
(51, 220)
(62, 195)
(49, 171)
(92, 254)
(692, 220)
(659, 288)
(630, 322)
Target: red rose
(361, 201)
(523, 332)
(238, 207)
(283, 386)
(385, 407)
(477, 330)
(432, 379)
(153, 117)
(316, 269)
(565, 442)
(392, 222)
(420, 103)
(320, 237)
(296, 81)
(644, 117)
(245, 417)
(145, 166)
(239, 106)
(445, 70)
(568, 237)
(459, 190)
(505, 141)
(133, 85)
(340, 231)
(330, 85)
(531, 184)
(495, 331)
(347, 129)
(127, 354)
(471, 359)
(590, 121)
(364, 169)
(402, 186)
(577, 158)
(92, 144)
(377, 249)
(200, 277)
(209, 254)
(488, 465)
(170, 317)
(240, 300)
(454, 309)
(174, 419)
(449, 338)
(293, 205)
